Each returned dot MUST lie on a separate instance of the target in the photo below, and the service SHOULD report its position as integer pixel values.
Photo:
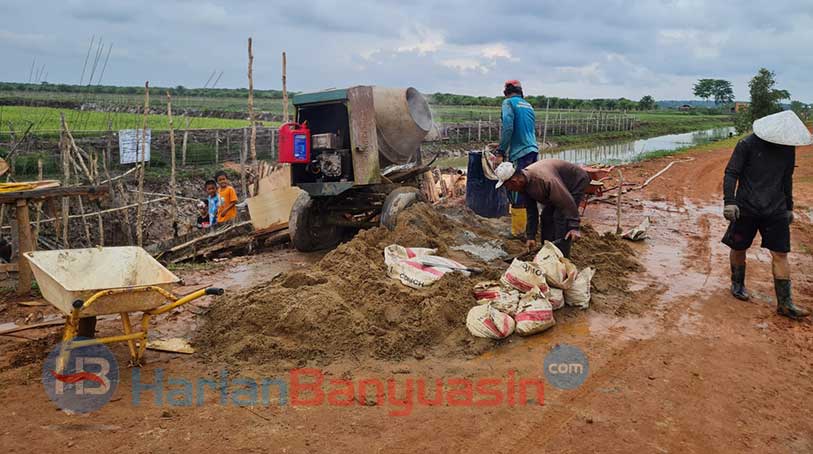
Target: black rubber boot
(738, 283)
(784, 301)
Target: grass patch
(46, 119)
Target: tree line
(178, 90)
(540, 102)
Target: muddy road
(675, 364)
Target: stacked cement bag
(528, 293)
(418, 267)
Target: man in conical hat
(758, 189)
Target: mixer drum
(402, 119)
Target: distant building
(685, 108)
(739, 106)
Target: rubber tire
(87, 327)
(396, 202)
(307, 233)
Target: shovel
(429, 260)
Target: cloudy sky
(582, 49)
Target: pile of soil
(614, 260)
(347, 306)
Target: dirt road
(692, 370)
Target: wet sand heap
(346, 306)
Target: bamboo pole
(618, 203)
(39, 206)
(284, 88)
(185, 139)
(253, 143)
(243, 151)
(172, 190)
(66, 175)
(217, 147)
(140, 195)
(545, 130)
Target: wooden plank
(8, 268)
(26, 244)
(279, 178)
(272, 208)
(11, 197)
(363, 135)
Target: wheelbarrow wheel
(396, 202)
(307, 226)
(87, 327)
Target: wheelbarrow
(85, 283)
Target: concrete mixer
(356, 154)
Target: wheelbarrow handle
(215, 291)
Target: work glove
(790, 216)
(731, 212)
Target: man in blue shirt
(517, 144)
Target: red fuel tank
(294, 143)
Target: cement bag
(559, 271)
(503, 299)
(534, 314)
(402, 265)
(556, 297)
(578, 294)
(524, 276)
(486, 321)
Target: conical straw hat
(783, 128)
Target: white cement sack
(534, 314)
(556, 297)
(486, 321)
(503, 299)
(559, 271)
(402, 265)
(578, 294)
(524, 276)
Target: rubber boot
(518, 219)
(738, 283)
(784, 301)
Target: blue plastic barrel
(481, 196)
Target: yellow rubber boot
(518, 219)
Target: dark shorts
(517, 198)
(774, 230)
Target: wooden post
(274, 157)
(479, 130)
(140, 194)
(25, 245)
(66, 176)
(545, 130)
(253, 143)
(243, 184)
(183, 145)
(284, 88)
(618, 202)
(172, 190)
(228, 143)
(217, 146)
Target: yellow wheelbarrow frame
(129, 336)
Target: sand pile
(614, 260)
(346, 305)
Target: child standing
(228, 210)
(214, 201)
(203, 215)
